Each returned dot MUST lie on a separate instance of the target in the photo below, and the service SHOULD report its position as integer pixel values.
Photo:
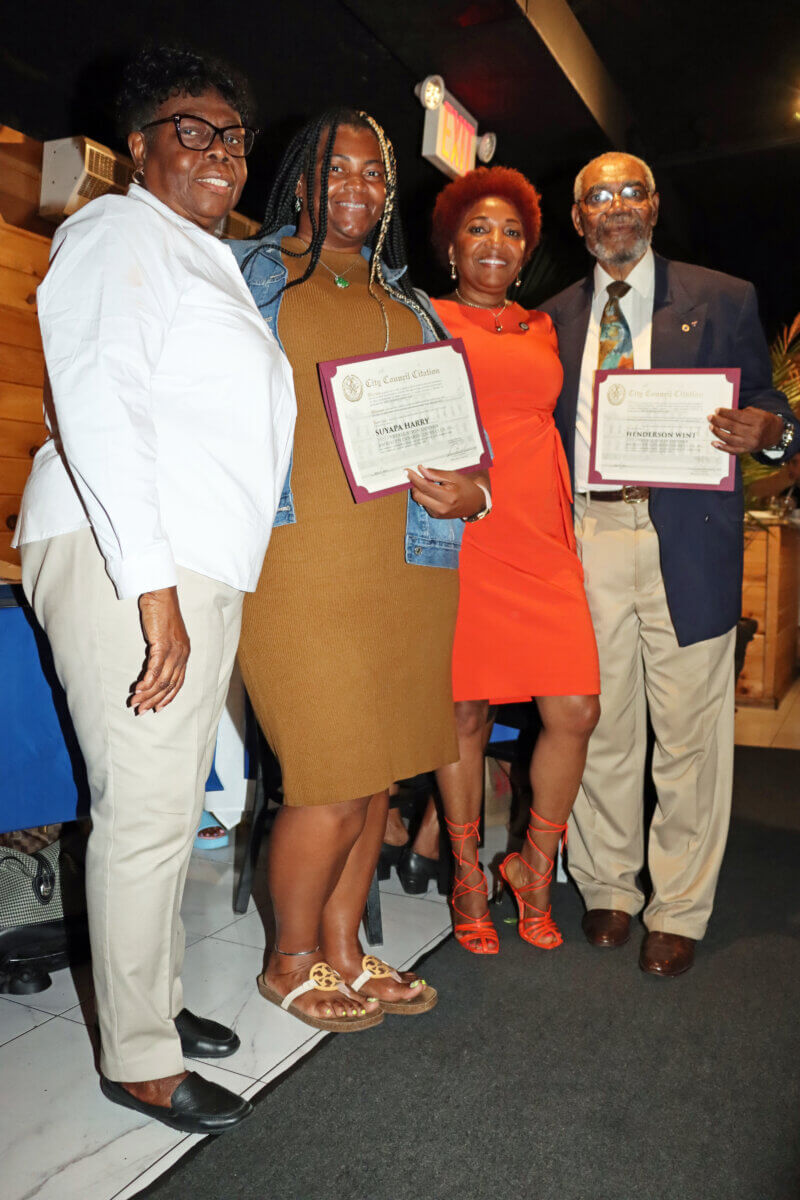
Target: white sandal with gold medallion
(323, 978)
(376, 968)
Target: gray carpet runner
(566, 1075)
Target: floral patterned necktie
(616, 346)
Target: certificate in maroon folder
(392, 411)
(650, 428)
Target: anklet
(295, 953)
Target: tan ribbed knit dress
(345, 647)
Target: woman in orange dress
(523, 627)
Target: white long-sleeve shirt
(637, 308)
(174, 404)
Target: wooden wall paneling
(24, 256)
(755, 551)
(14, 473)
(784, 669)
(19, 328)
(18, 289)
(9, 511)
(20, 402)
(21, 439)
(7, 555)
(754, 594)
(771, 617)
(21, 181)
(770, 595)
(24, 251)
(19, 365)
(751, 685)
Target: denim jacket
(430, 542)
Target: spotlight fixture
(430, 92)
(487, 144)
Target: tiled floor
(776, 727)
(61, 1140)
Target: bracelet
(484, 512)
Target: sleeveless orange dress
(523, 626)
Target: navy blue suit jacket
(700, 532)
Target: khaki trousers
(688, 691)
(147, 777)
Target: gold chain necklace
(485, 308)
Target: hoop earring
(298, 204)
(453, 272)
(138, 176)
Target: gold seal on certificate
(650, 428)
(390, 412)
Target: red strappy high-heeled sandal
(539, 930)
(476, 934)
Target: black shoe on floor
(201, 1038)
(197, 1105)
(415, 871)
(389, 857)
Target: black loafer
(201, 1038)
(197, 1105)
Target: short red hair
(459, 196)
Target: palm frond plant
(785, 356)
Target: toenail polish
(363, 1012)
(415, 984)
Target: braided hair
(386, 240)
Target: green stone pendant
(340, 281)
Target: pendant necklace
(339, 279)
(498, 328)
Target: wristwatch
(786, 438)
(484, 512)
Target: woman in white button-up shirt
(145, 519)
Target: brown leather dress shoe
(606, 926)
(666, 954)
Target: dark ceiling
(711, 85)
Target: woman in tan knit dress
(345, 646)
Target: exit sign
(450, 137)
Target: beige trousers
(688, 692)
(147, 777)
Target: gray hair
(648, 174)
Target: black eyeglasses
(195, 133)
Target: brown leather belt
(631, 495)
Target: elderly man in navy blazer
(663, 571)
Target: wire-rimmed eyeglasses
(195, 133)
(598, 199)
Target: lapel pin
(685, 328)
